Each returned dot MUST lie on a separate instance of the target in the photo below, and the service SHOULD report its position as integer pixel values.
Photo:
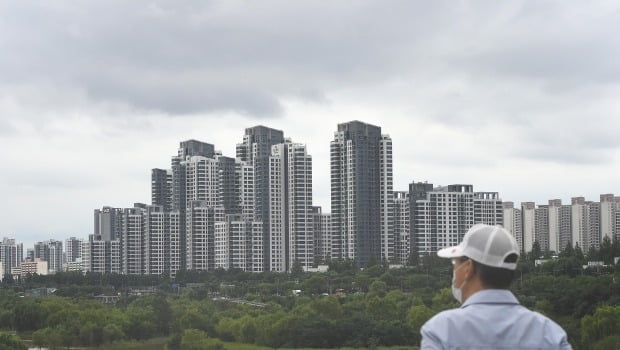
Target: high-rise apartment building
(488, 208)
(290, 207)
(161, 241)
(579, 221)
(400, 217)
(541, 227)
(386, 187)
(554, 209)
(201, 223)
(442, 216)
(322, 235)
(609, 210)
(73, 249)
(108, 223)
(161, 188)
(187, 150)
(132, 239)
(50, 251)
(11, 255)
(356, 191)
(528, 215)
(256, 150)
(239, 243)
(513, 222)
(101, 256)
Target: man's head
(488, 254)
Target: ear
(470, 269)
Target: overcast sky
(518, 97)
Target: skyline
(517, 98)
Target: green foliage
(605, 322)
(193, 339)
(11, 342)
(416, 317)
(376, 307)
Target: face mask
(457, 292)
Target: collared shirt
(492, 319)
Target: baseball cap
(488, 245)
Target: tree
(604, 323)
(578, 252)
(297, 270)
(568, 250)
(536, 251)
(11, 342)
(316, 284)
(193, 339)
(417, 317)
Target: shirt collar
(491, 296)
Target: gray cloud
(479, 87)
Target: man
(490, 316)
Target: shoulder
(442, 320)
(546, 322)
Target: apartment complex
(440, 216)
(555, 225)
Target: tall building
(108, 223)
(187, 150)
(73, 249)
(594, 227)
(132, 240)
(201, 223)
(101, 256)
(161, 188)
(161, 241)
(610, 209)
(554, 218)
(386, 187)
(488, 208)
(356, 190)
(11, 255)
(50, 251)
(541, 227)
(239, 244)
(579, 222)
(528, 215)
(290, 207)
(256, 150)
(400, 217)
(441, 217)
(322, 231)
(513, 222)
(418, 194)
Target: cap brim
(451, 252)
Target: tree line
(345, 307)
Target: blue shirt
(492, 319)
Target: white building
(239, 244)
(513, 221)
(388, 233)
(400, 223)
(528, 214)
(442, 215)
(201, 219)
(11, 255)
(73, 249)
(291, 236)
(488, 208)
(610, 208)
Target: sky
(515, 97)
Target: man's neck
(472, 287)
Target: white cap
(488, 245)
